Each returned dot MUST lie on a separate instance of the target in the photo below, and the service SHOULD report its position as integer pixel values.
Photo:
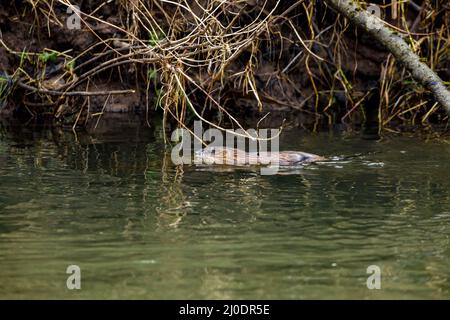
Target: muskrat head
(216, 155)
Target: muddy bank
(303, 58)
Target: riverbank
(217, 62)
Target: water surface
(139, 227)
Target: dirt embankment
(304, 59)
(29, 36)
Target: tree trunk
(396, 45)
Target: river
(139, 227)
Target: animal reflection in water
(234, 157)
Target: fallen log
(396, 45)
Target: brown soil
(22, 29)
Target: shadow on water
(139, 227)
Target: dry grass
(188, 54)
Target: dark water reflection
(141, 228)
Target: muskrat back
(232, 156)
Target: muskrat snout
(207, 151)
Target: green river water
(138, 227)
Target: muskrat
(231, 156)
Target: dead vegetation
(214, 59)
